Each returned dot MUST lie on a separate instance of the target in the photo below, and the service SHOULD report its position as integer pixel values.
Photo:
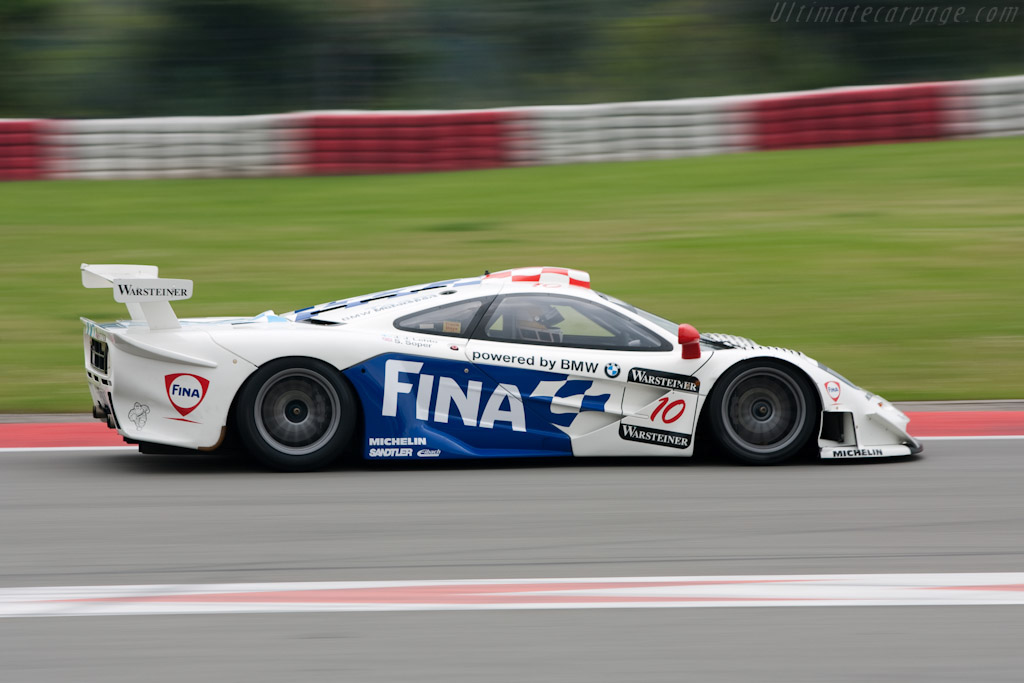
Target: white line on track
(576, 593)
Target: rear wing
(146, 295)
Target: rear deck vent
(98, 355)
(318, 321)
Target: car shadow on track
(238, 463)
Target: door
(568, 358)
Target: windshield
(667, 325)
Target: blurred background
(114, 58)
(207, 122)
(880, 230)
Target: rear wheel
(763, 412)
(296, 414)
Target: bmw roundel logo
(612, 370)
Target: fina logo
(612, 370)
(832, 387)
(186, 391)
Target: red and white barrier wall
(367, 142)
(21, 149)
(988, 108)
(634, 131)
(176, 147)
(361, 142)
(850, 116)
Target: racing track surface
(109, 517)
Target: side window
(451, 320)
(556, 320)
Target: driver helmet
(537, 323)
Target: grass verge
(902, 266)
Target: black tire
(763, 412)
(296, 414)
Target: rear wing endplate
(146, 295)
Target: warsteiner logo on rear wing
(151, 290)
(144, 293)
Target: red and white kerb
(826, 590)
(545, 275)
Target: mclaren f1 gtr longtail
(526, 362)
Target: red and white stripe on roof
(545, 275)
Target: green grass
(901, 266)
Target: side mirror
(689, 339)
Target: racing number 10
(670, 412)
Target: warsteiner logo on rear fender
(186, 391)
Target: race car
(527, 362)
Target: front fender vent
(832, 426)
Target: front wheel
(296, 414)
(763, 413)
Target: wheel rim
(297, 411)
(764, 410)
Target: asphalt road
(99, 518)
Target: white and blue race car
(526, 362)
